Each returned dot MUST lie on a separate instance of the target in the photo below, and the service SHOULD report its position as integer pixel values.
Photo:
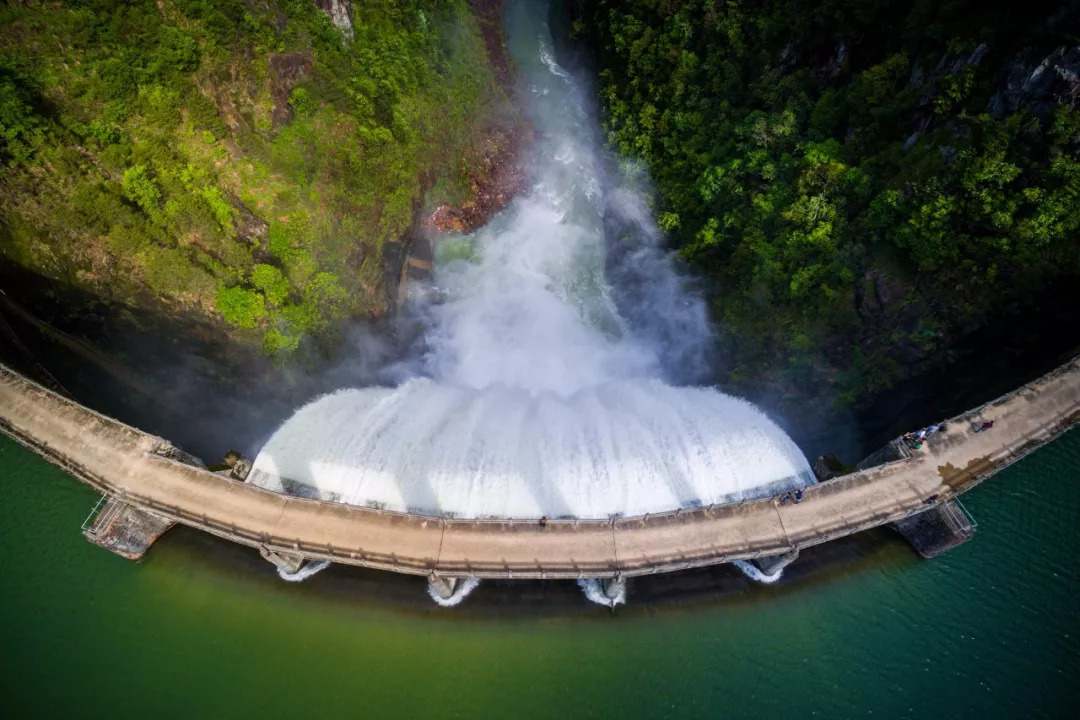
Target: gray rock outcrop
(340, 12)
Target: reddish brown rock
(496, 174)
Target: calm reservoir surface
(204, 629)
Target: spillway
(622, 448)
(549, 384)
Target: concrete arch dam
(150, 485)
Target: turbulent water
(549, 382)
(593, 590)
(755, 573)
(462, 591)
(310, 568)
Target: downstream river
(204, 629)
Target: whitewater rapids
(549, 381)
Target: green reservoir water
(204, 629)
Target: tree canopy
(860, 181)
(237, 159)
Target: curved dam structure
(139, 473)
(549, 426)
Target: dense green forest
(861, 182)
(244, 160)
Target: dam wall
(146, 473)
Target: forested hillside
(863, 183)
(246, 160)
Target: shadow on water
(720, 586)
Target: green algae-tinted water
(201, 628)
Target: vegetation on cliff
(861, 182)
(245, 159)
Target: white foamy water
(548, 386)
(310, 568)
(620, 447)
(462, 591)
(593, 590)
(755, 573)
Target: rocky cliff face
(340, 13)
(287, 70)
(1039, 86)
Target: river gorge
(538, 396)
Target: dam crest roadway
(149, 485)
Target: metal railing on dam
(135, 468)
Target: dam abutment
(772, 564)
(443, 586)
(614, 588)
(285, 562)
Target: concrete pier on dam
(149, 485)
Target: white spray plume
(546, 386)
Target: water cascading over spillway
(547, 387)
